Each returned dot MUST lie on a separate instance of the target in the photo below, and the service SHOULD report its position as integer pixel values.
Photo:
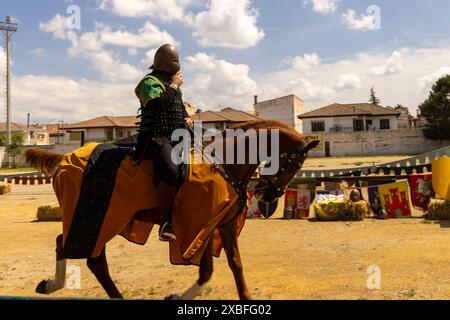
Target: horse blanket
(102, 193)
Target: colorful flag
(395, 199)
(297, 203)
(253, 206)
(421, 190)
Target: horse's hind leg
(58, 282)
(228, 233)
(205, 273)
(99, 267)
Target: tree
(373, 98)
(436, 110)
(15, 148)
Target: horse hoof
(172, 296)
(42, 287)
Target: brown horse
(293, 149)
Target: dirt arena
(282, 259)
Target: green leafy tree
(373, 97)
(2, 140)
(15, 148)
(436, 110)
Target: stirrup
(166, 236)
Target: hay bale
(342, 211)
(5, 188)
(49, 213)
(356, 211)
(438, 210)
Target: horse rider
(162, 112)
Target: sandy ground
(294, 259)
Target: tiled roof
(105, 122)
(352, 109)
(15, 127)
(225, 115)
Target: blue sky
(321, 50)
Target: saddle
(131, 143)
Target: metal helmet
(166, 59)
(355, 195)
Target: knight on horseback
(162, 112)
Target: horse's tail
(46, 162)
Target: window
(385, 124)
(120, 134)
(317, 126)
(75, 136)
(369, 124)
(109, 134)
(128, 133)
(358, 125)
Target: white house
(101, 129)
(349, 118)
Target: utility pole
(8, 28)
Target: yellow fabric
(202, 202)
(441, 177)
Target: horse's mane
(270, 124)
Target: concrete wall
(347, 122)
(285, 109)
(386, 142)
(20, 160)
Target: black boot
(166, 195)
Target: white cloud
(166, 10)
(393, 65)
(229, 24)
(69, 99)
(91, 46)
(331, 81)
(356, 22)
(307, 62)
(348, 82)
(429, 79)
(39, 52)
(218, 82)
(323, 6)
(146, 37)
(57, 26)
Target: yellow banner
(441, 177)
(317, 136)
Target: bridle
(269, 183)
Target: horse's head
(271, 187)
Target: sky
(74, 60)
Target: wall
(386, 142)
(285, 109)
(20, 160)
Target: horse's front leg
(228, 233)
(205, 273)
(59, 281)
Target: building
(285, 109)
(36, 134)
(101, 129)
(405, 120)
(222, 119)
(349, 118)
